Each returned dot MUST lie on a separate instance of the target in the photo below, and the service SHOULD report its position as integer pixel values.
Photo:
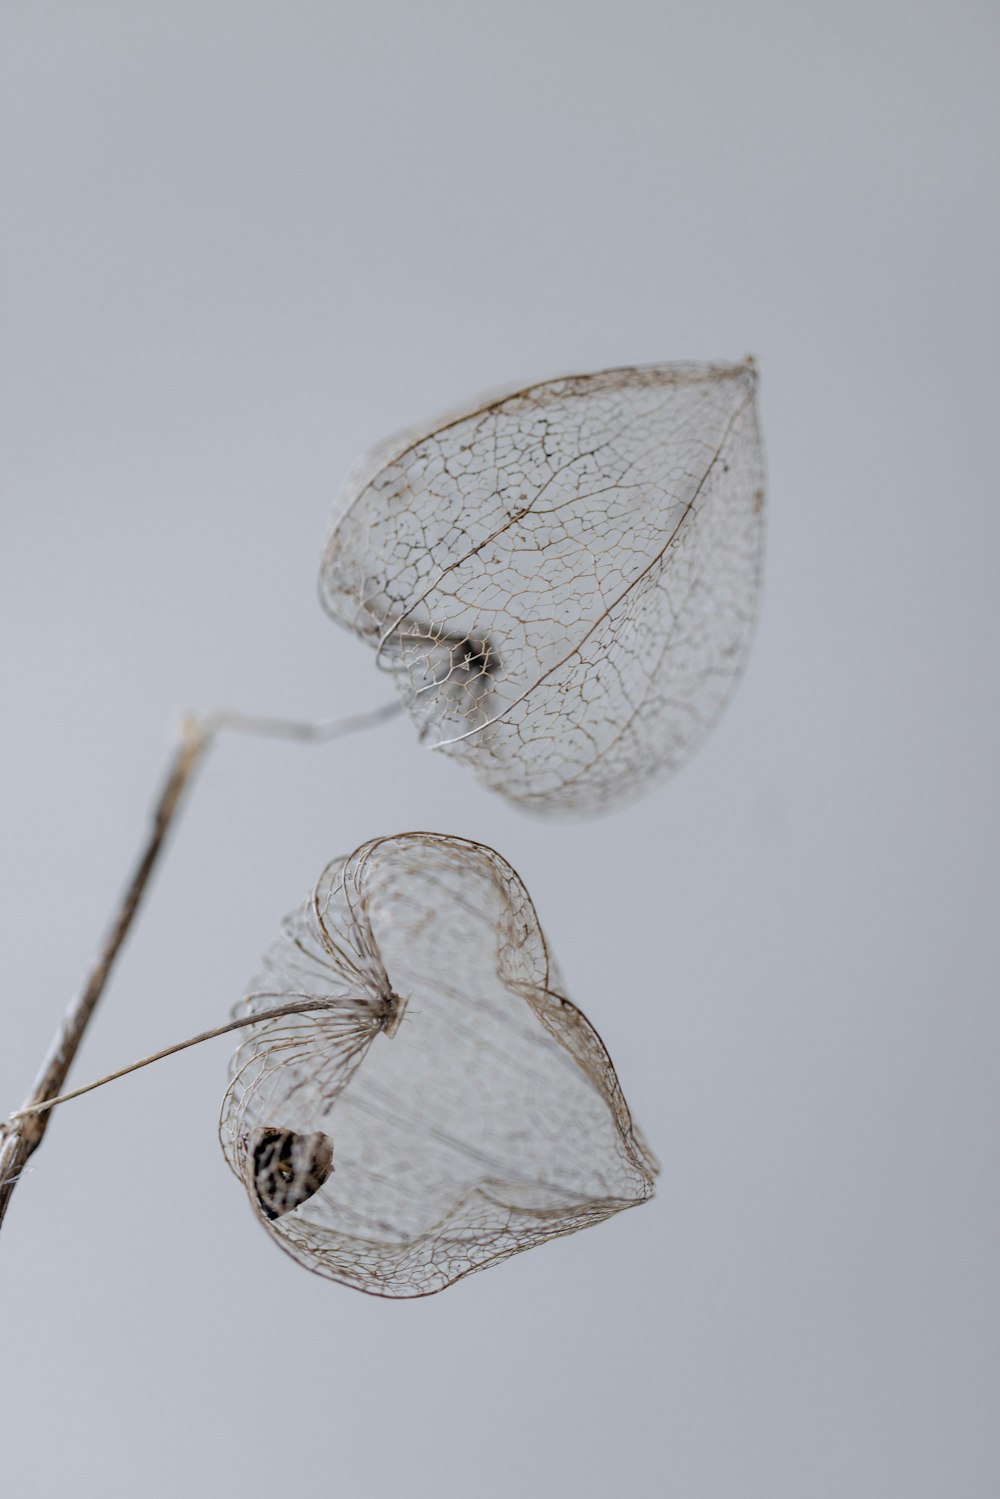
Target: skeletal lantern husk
(449, 1106)
(562, 581)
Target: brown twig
(24, 1135)
(21, 1134)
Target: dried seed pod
(562, 581)
(470, 1108)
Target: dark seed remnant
(288, 1168)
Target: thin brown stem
(22, 1133)
(294, 1007)
(22, 1137)
(320, 732)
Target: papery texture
(563, 581)
(468, 1108)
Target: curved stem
(21, 1135)
(289, 728)
(295, 1007)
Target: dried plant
(416, 1098)
(562, 581)
(447, 1106)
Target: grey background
(242, 241)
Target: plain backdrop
(242, 241)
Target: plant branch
(22, 1133)
(22, 1137)
(288, 728)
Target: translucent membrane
(563, 581)
(450, 1106)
